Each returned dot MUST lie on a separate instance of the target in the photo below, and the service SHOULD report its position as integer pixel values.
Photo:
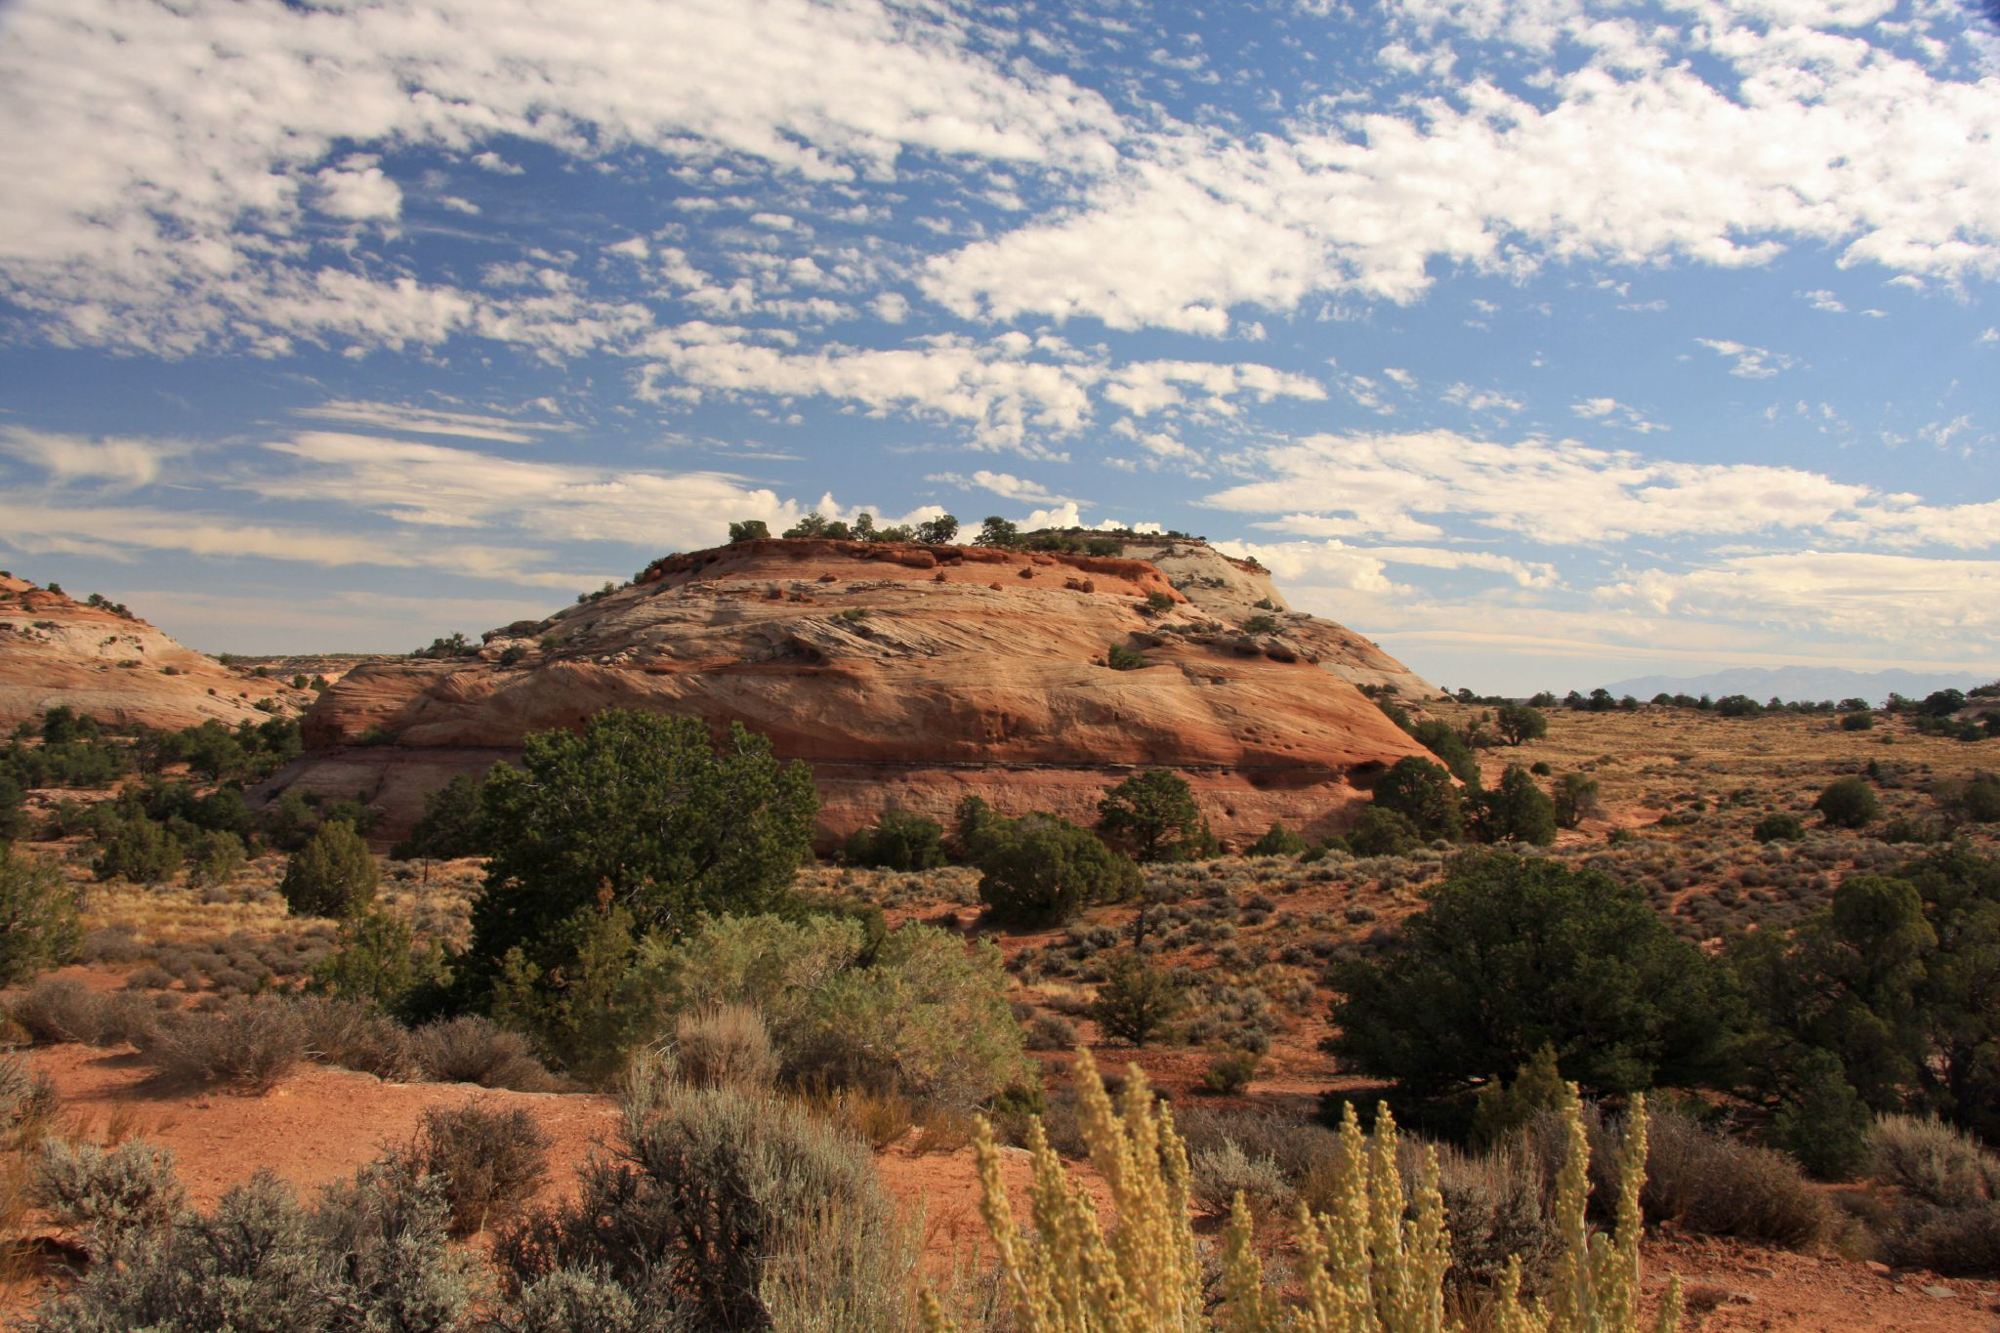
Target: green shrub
(1381, 832)
(1153, 816)
(1040, 870)
(898, 841)
(638, 812)
(108, 1195)
(1442, 740)
(1585, 963)
(1516, 810)
(1975, 799)
(217, 856)
(1136, 1002)
(1230, 1072)
(1502, 1111)
(1857, 722)
(1779, 826)
(139, 850)
(39, 927)
(1278, 841)
(924, 1017)
(1520, 722)
(332, 875)
(373, 961)
(1576, 798)
(1424, 794)
(1848, 803)
(451, 825)
(1822, 1121)
(1120, 658)
(487, 1161)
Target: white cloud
(428, 421)
(359, 195)
(1363, 567)
(1146, 387)
(161, 206)
(125, 532)
(1752, 363)
(1558, 492)
(891, 307)
(1003, 484)
(498, 165)
(121, 463)
(1611, 412)
(1805, 138)
(1012, 391)
(1866, 595)
(1481, 400)
(1827, 301)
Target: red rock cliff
(910, 677)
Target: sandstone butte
(909, 677)
(56, 651)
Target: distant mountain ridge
(1801, 682)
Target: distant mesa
(909, 677)
(97, 657)
(1794, 683)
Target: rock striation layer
(56, 651)
(910, 677)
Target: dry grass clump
(1216, 1176)
(60, 1009)
(721, 1211)
(1949, 1220)
(1936, 1162)
(487, 1161)
(1708, 1182)
(725, 1046)
(107, 1193)
(357, 1036)
(249, 1045)
(475, 1050)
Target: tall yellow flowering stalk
(1364, 1267)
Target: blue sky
(1547, 342)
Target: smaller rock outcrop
(99, 659)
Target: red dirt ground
(323, 1123)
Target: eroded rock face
(56, 651)
(910, 677)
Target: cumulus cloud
(159, 190)
(1012, 392)
(1631, 157)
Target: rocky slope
(911, 677)
(55, 650)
